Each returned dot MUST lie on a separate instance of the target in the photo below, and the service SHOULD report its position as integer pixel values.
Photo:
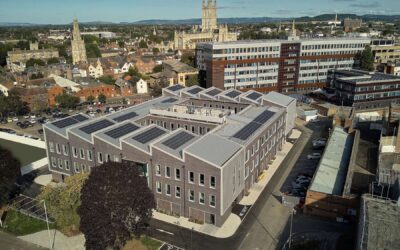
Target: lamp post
(191, 238)
(291, 225)
(47, 222)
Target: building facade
(20, 57)
(200, 149)
(364, 90)
(291, 65)
(78, 45)
(210, 30)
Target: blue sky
(62, 11)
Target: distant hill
(232, 20)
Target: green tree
(158, 68)
(92, 50)
(53, 60)
(10, 169)
(107, 80)
(192, 80)
(39, 75)
(156, 51)
(143, 44)
(188, 58)
(90, 39)
(66, 100)
(33, 61)
(121, 44)
(102, 98)
(63, 201)
(90, 99)
(116, 203)
(367, 59)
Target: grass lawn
(20, 224)
(150, 243)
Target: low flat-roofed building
(325, 193)
(307, 113)
(379, 224)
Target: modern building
(78, 45)
(100, 34)
(293, 65)
(385, 51)
(379, 224)
(200, 149)
(210, 31)
(364, 90)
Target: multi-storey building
(363, 90)
(385, 51)
(291, 65)
(200, 149)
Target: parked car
(9, 120)
(314, 156)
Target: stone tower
(78, 45)
(209, 16)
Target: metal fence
(30, 207)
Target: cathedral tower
(209, 16)
(78, 45)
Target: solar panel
(233, 94)
(176, 87)
(178, 140)
(169, 100)
(91, 128)
(250, 128)
(214, 92)
(149, 135)
(125, 117)
(122, 130)
(70, 121)
(254, 96)
(194, 91)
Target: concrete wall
(22, 140)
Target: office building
(293, 65)
(365, 90)
(200, 149)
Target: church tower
(209, 16)
(78, 45)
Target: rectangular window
(58, 148)
(201, 198)
(158, 187)
(66, 163)
(191, 177)
(53, 162)
(167, 172)
(168, 189)
(65, 150)
(201, 179)
(82, 153)
(75, 152)
(76, 167)
(83, 167)
(51, 147)
(100, 157)
(212, 200)
(158, 170)
(177, 174)
(60, 164)
(178, 192)
(212, 181)
(89, 155)
(191, 195)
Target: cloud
(366, 5)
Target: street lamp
(291, 225)
(47, 222)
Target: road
(261, 228)
(10, 242)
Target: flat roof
(278, 98)
(332, 169)
(381, 224)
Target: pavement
(10, 242)
(61, 242)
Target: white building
(96, 71)
(142, 87)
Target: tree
(90, 99)
(116, 203)
(92, 50)
(66, 100)
(156, 51)
(121, 44)
(53, 60)
(33, 61)
(10, 169)
(102, 98)
(192, 80)
(143, 44)
(107, 80)
(63, 201)
(188, 58)
(158, 68)
(367, 59)
(39, 75)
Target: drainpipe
(184, 192)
